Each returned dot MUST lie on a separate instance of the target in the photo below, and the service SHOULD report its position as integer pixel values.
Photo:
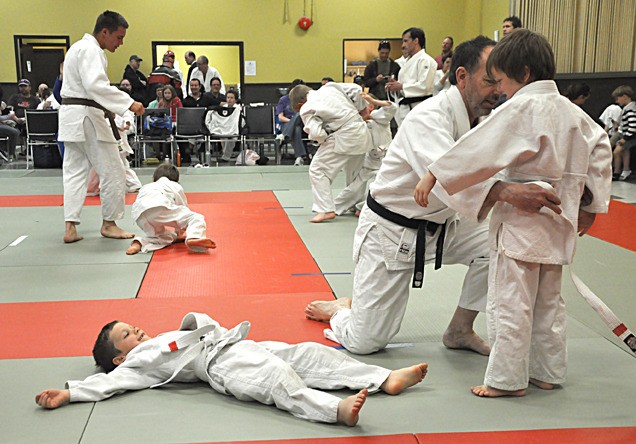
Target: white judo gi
(163, 204)
(331, 118)
(384, 252)
(268, 372)
(417, 77)
(132, 180)
(222, 123)
(537, 135)
(354, 194)
(87, 136)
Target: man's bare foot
(349, 408)
(491, 392)
(465, 341)
(70, 233)
(134, 248)
(112, 231)
(200, 245)
(542, 385)
(321, 217)
(323, 310)
(401, 379)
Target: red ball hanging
(304, 23)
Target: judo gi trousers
(132, 180)
(383, 276)
(154, 221)
(526, 323)
(324, 168)
(104, 157)
(291, 376)
(355, 193)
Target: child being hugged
(536, 136)
(162, 204)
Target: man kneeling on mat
(289, 376)
(162, 204)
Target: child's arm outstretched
(53, 398)
(423, 188)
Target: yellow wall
(281, 50)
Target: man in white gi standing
(332, 118)
(416, 79)
(393, 228)
(87, 99)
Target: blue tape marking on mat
(321, 274)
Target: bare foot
(349, 408)
(323, 310)
(134, 248)
(542, 385)
(401, 379)
(112, 231)
(357, 213)
(490, 392)
(200, 245)
(70, 234)
(321, 217)
(465, 341)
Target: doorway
(38, 58)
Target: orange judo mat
(250, 276)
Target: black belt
(413, 100)
(422, 227)
(87, 102)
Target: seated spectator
(125, 86)
(441, 76)
(611, 119)
(447, 51)
(578, 93)
(206, 73)
(223, 122)
(379, 70)
(159, 97)
(22, 101)
(196, 99)
(291, 126)
(215, 96)
(137, 79)
(48, 101)
(8, 122)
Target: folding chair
(41, 129)
(146, 134)
(4, 156)
(260, 125)
(223, 124)
(191, 126)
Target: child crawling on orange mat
(290, 376)
(162, 204)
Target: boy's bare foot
(542, 385)
(112, 231)
(490, 392)
(465, 341)
(401, 379)
(70, 233)
(321, 217)
(134, 248)
(200, 245)
(323, 310)
(349, 408)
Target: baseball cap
(24, 82)
(169, 54)
(136, 57)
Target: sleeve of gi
(104, 385)
(599, 175)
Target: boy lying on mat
(290, 376)
(162, 204)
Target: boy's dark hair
(384, 44)
(417, 33)
(514, 21)
(232, 91)
(468, 55)
(623, 90)
(166, 170)
(575, 90)
(110, 20)
(520, 50)
(104, 350)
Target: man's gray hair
(298, 94)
